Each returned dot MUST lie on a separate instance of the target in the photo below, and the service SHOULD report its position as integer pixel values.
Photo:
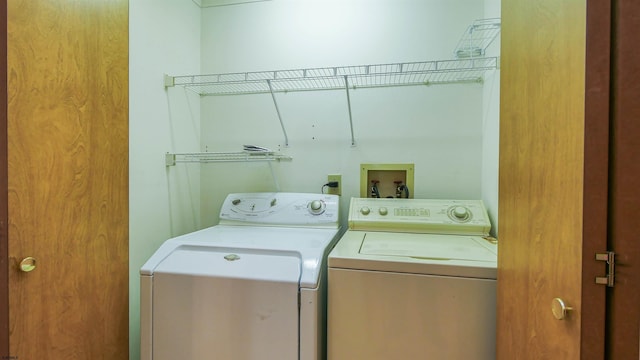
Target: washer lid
(426, 254)
(250, 264)
(429, 247)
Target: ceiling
(213, 3)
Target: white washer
(413, 279)
(252, 287)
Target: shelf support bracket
(273, 96)
(169, 81)
(346, 87)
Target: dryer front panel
(243, 308)
(197, 317)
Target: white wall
(164, 37)
(439, 128)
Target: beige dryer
(413, 279)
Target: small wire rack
(477, 38)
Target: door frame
(596, 175)
(623, 314)
(4, 201)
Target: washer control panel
(296, 209)
(464, 217)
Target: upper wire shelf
(334, 78)
(469, 66)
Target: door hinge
(610, 258)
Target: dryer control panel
(279, 208)
(463, 217)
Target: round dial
(459, 213)
(383, 211)
(365, 210)
(316, 207)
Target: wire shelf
(210, 157)
(469, 66)
(334, 78)
(477, 38)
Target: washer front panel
(377, 315)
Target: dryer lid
(234, 263)
(310, 246)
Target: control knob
(383, 211)
(365, 210)
(460, 212)
(316, 207)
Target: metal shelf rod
(346, 87)
(284, 131)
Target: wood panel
(68, 178)
(4, 290)
(541, 177)
(624, 315)
(596, 175)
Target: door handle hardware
(610, 258)
(560, 309)
(28, 264)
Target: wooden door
(67, 171)
(552, 193)
(610, 190)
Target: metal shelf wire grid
(333, 78)
(477, 38)
(469, 66)
(204, 157)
